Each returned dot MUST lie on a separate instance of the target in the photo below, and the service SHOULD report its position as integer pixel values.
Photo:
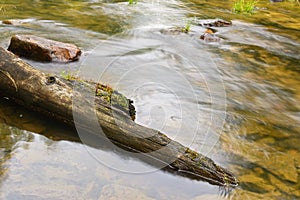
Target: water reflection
(48, 164)
(259, 65)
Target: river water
(236, 101)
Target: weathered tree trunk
(55, 97)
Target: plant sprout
(244, 6)
(131, 2)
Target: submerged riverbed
(236, 101)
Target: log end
(197, 166)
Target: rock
(214, 23)
(7, 22)
(42, 49)
(116, 192)
(174, 31)
(209, 36)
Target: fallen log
(54, 97)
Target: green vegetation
(187, 27)
(244, 6)
(68, 75)
(131, 2)
(104, 91)
(191, 154)
(113, 97)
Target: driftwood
(54, 97)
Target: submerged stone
(283, 165)
(256, 184)
(285, 187)
(7, 22)
(244, 194)
(175, 31)
(209, 36)
(42, 49)
(214, 23)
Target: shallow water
(236, 101)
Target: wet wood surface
(54, 97)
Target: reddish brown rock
(209, 36)
(42, 49)
(7, 22)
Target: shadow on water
(19, 125)
(258, 60)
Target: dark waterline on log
(258, 62)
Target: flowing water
(236, 101)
